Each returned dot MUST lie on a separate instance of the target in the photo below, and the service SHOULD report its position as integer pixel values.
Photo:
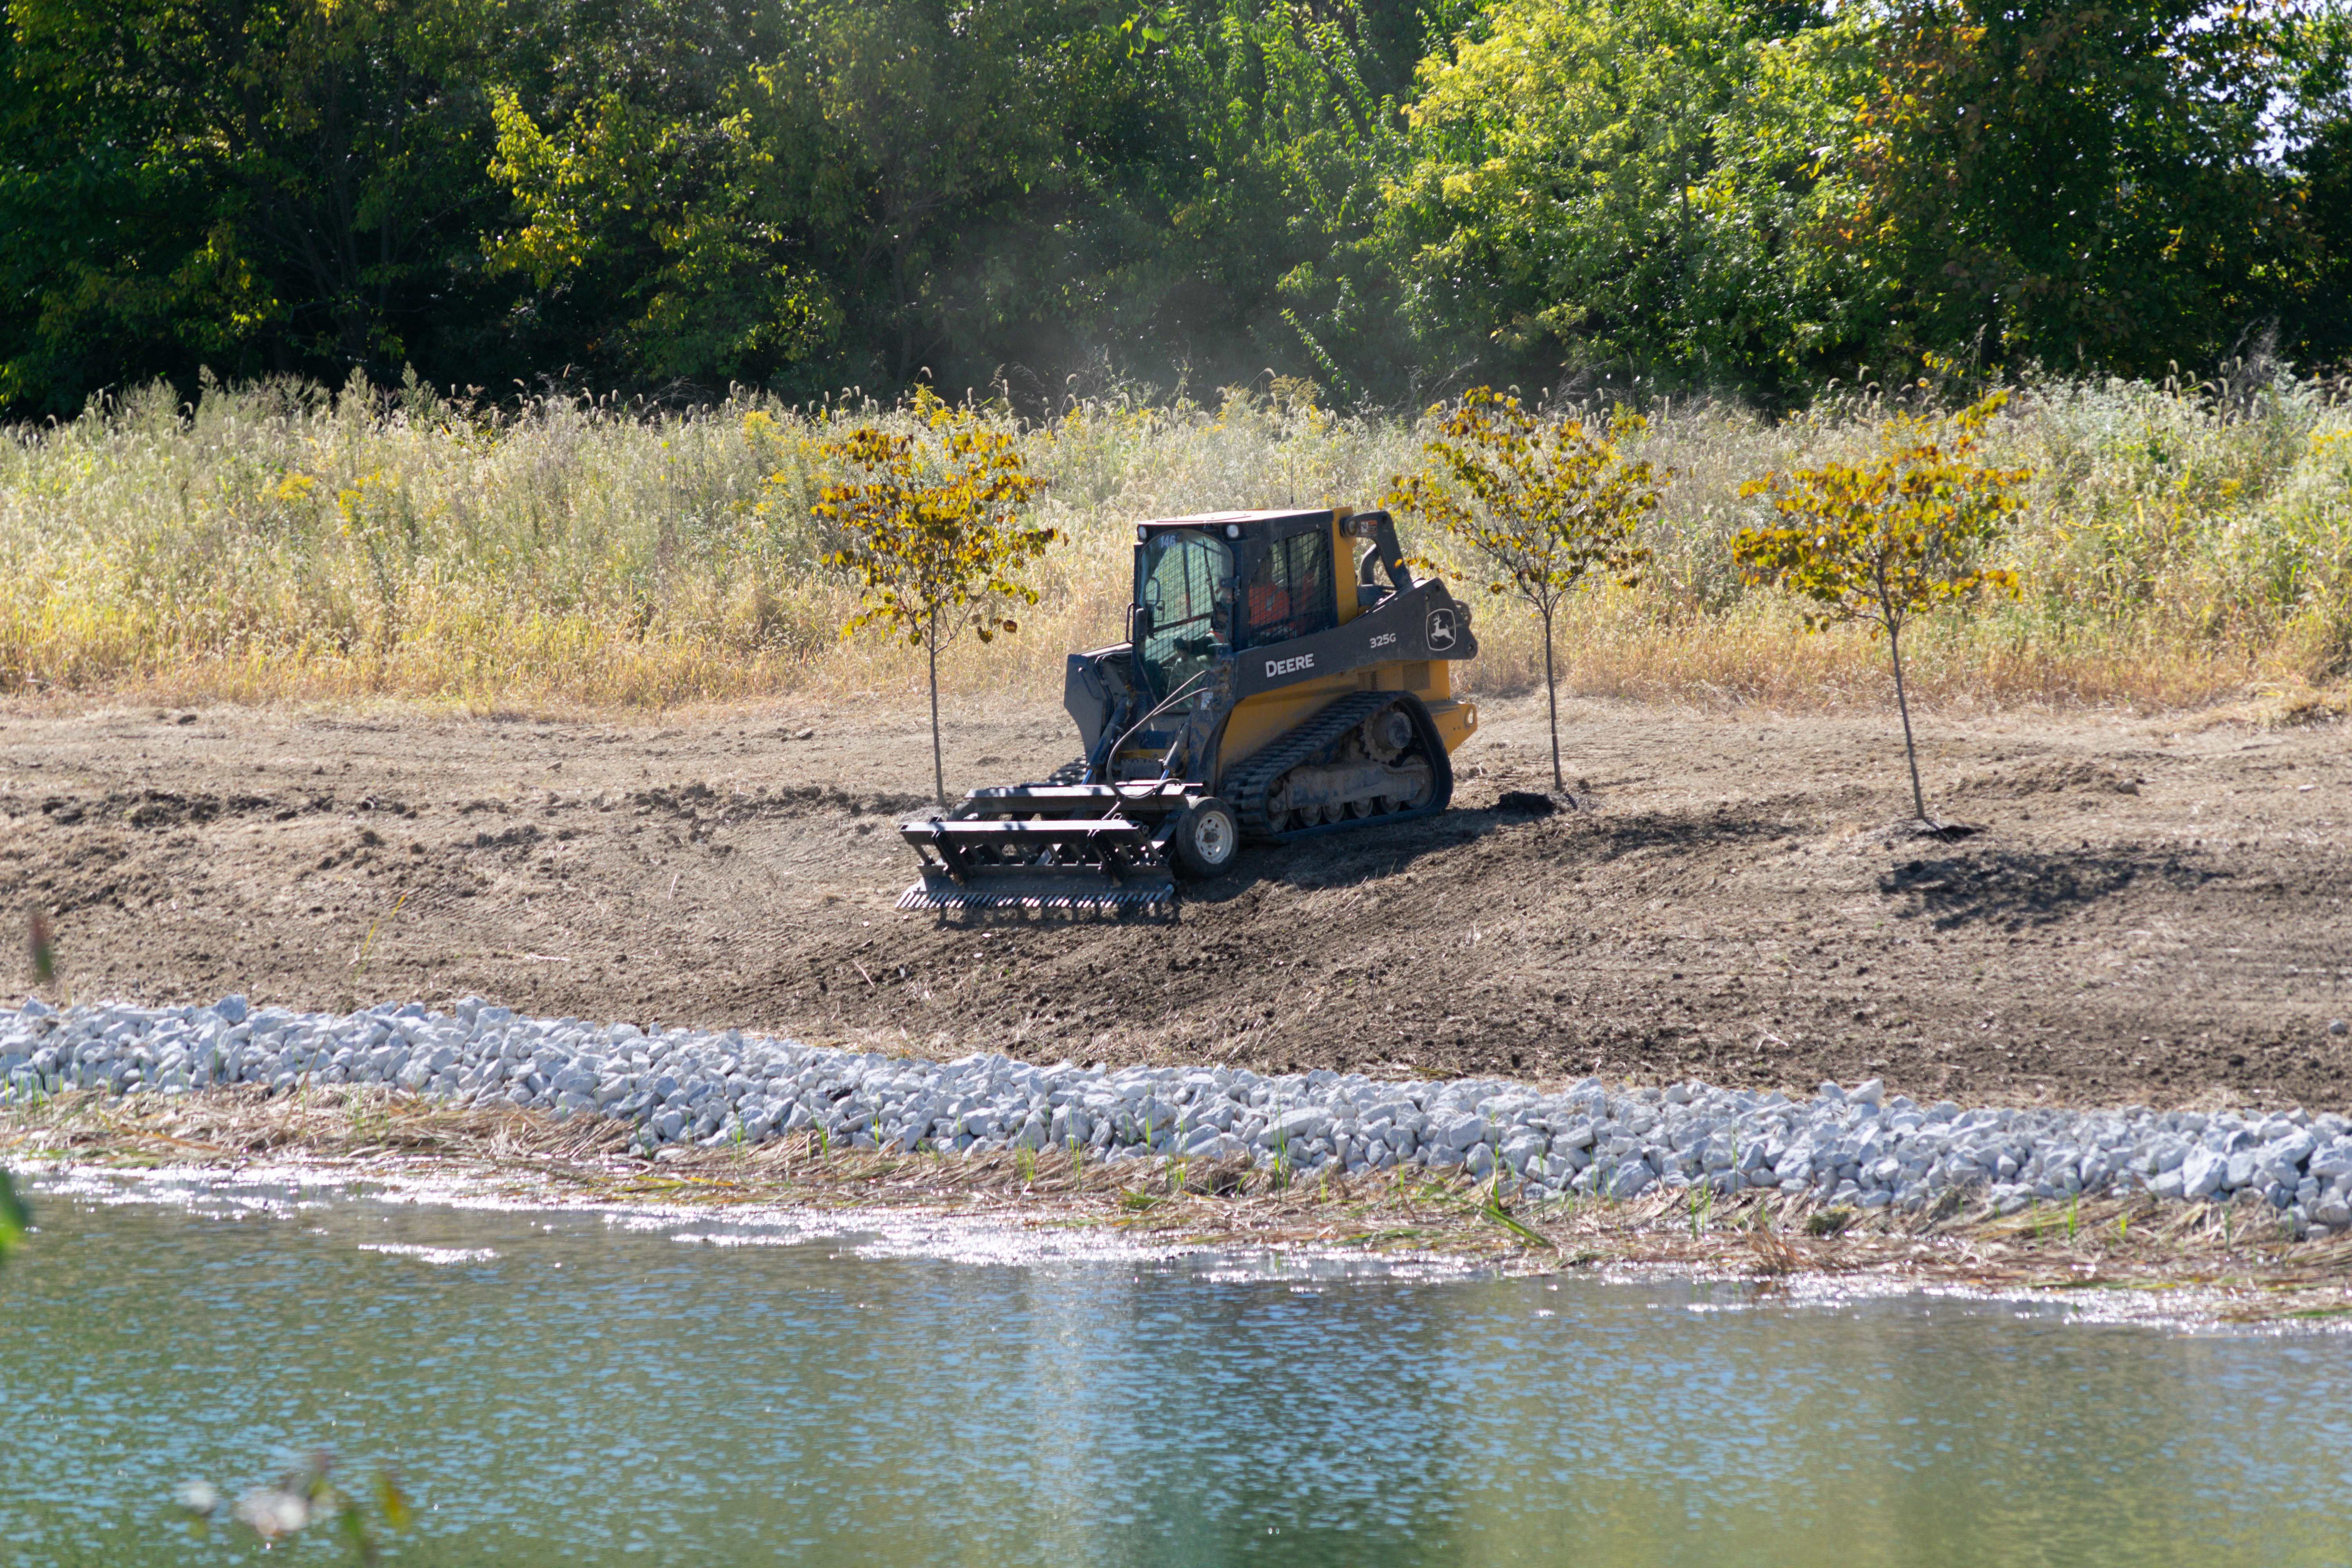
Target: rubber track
(1245, 790)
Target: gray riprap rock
(1458, 1132)
(1628, 1180)
(1300, 1126)
(2202, 1173)
(1521, 1149)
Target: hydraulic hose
(1166, 703)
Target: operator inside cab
(1290, 589)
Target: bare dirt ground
(2154, 910)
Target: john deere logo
(1441, 628)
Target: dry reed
(280, 542)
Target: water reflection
(585, 1388)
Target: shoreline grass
(2181, 546)
(2116, 1257)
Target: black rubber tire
(1208, 838)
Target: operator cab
(1208, 586)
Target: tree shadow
(1618, 836)
(2016, 890)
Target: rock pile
(1856, 1147)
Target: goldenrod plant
(933, 533)
(1894, 537)
(1541, 501)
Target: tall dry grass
(280, 540)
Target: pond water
(560, 1386)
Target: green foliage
(1754, 195)
(1635, 185)
(1540, 504)
(933, 533)
(1887, 540)
(697, 222)
(2315, 130)
(2078, 180)
(13, 1219)
(297, 184)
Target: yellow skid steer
(1262, 693)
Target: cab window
(1290, 591)
(1186, 581)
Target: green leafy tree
(2316, 135)
(698, 229)
(2087, 183)
(676, 194)
(1540, 504)
(1634, 184)
(949, 114)
(1283, 118)
(283, 188)
(932, 534)
(1889, 540)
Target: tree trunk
(938, 771)
(1903, 706)
(1552, 693)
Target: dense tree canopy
(1639, 184)
(1389, 197)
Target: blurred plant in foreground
(303, 1497)
(13, 1219)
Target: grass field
(282, 541)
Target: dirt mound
(2017, 781)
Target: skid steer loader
(1261, 694)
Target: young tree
(1889, 540)
(932, 534)
(1540, 503)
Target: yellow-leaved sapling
(1540, 503)
(1887, 540)
(931, 530)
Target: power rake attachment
(1066, 846)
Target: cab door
(1184, 580)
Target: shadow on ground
(2014, 889)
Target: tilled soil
(2150, 911)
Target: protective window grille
(1181, 574)
(1290, 592)
(1182, 584)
